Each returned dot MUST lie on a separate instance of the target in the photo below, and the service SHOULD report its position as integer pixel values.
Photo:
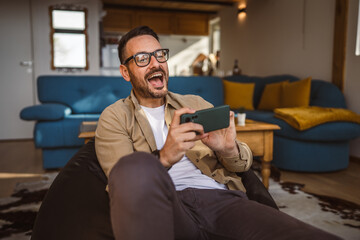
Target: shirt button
(197, 160)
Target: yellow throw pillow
(271, 96)
(296, 94)
(238, 95)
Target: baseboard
(16, 140)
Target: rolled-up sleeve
(238, 163)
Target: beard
(143, 88)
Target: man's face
(151, 81)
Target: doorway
(16, 78)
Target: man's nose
(153, 61)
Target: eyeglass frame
(150, 54)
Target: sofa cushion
(271, 96)
(296, 94)
(327, 132)
(260, 83)
(62, 133)
(45, 112)
(239, 95)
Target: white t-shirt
(183, 173)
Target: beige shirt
(123, 128)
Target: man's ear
(124, 72)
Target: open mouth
(156, 80)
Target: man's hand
(223, 141)
(180, 138)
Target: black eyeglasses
(142, 59)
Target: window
(68, 38)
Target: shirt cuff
(238, 163)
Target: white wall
(280, 36)
(290, 37)
(41, 35)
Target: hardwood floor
(20, 162)
(342, 184)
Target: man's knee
(136, 168)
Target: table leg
(265, 172)
(267, 158)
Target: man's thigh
(144, 203)
(225, 214)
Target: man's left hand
(223, 141)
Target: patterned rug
(334, 215)
(331, 214)
(340, 217)
(18, 212)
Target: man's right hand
(180, 138)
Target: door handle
(26, 63)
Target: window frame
(357, 47)
(53, 31)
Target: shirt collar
(171, 101)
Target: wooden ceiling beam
(167, 9)
(339, 48)
(217, 3)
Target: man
(168, 180)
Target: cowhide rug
(18, 212)
(340, 217)
(331, 214)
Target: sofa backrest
(209, 88)
(92, 94)
(83, 94)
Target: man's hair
(138, 31)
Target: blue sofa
(66, 101)
(319, 149)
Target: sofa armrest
(326, 94)
(47, 111)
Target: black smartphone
(211, 118)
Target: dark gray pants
(145, 205)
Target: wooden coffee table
(259, 137)
(87, 130)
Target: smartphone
(211, 118)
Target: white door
(16, 79)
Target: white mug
(241, 119)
